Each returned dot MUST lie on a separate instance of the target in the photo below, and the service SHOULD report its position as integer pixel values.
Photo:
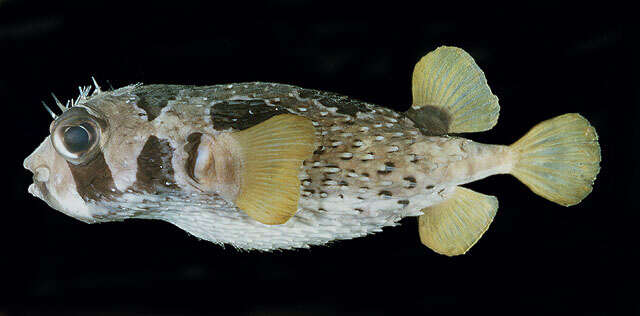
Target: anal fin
(452, 227)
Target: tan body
(271, 166)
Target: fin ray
(455, 225)
(449, 89)
(559, 159)
(272, 154)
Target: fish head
(75, 141)
(89, 160)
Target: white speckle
(379, 138)
(229, 86)
(398, 134)
(336, 128)
(393, 149)
(352, 175)
(331, 170)
(389, 125)
(362, 190)
(386, 183)
(364, 129)
(364, 179)
(325, 132)
(336, 144)
(323, 195)
(346, 155)
(205, 98)
(332, 109)
(127, 101)
(316, 164)
(377, 125)
(324, 113)
(414, 133)
(330, 182)
(302, 109)
(315, 123)
(368, 157)
(358, 143)
(346, 134)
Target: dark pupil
(76, 139)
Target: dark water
(536, 258)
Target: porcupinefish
(273, 166)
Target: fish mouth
(40, 190)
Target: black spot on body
(388, 168)
(93, 180)
(319, 150)
(430, 187)
(343, 183)
(385, 193)
(412, 182)
(242, 114)
(155, 172)
(153, 98)
(404, 203)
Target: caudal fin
(559, 159)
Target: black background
(536, 258)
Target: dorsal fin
(272, 153)
(451, 94)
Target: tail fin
(559, 159)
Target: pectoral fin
(272, 153)
(452, 227)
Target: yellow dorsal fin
(451, 94)
(452, 227)
(272, 153)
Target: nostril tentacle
(41, 174)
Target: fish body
(272, 166)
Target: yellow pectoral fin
(452, 227)
(272, 154)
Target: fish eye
(77, 139)
(75, 135)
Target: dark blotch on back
(344, 105)
(155, 172)
(432, 120)
(191, 148)
(93, 180)
(242, 114)
(153, 98)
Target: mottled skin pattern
(371, 168)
